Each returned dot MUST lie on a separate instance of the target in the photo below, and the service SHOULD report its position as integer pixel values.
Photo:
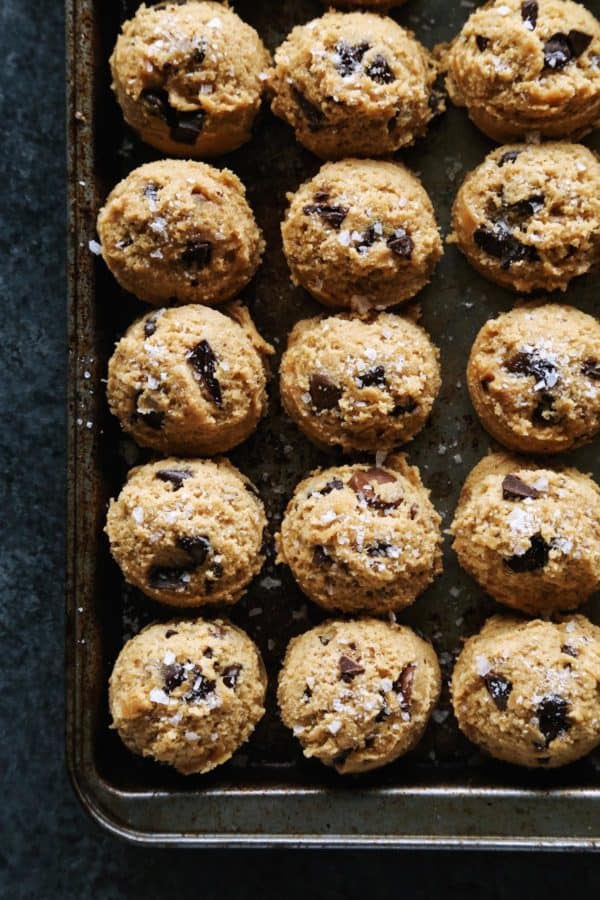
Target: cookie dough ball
(362, 538)
(190, 379)
(529, 216)
(190, 77)
(354, 84)
(188, 531)
(361, 234)
(530, 536)
(180, 231)
(188, 694)
(529, 692)
(359, 384)
(528, 68)
(534, 378)
(358, 694)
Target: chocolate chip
(324, 393)
(170, 633)
(307, 692)
(198, 547)
(373, 378)
(349, 57)
(500, 243)
(156, 102)
(150, 325)
(499, 689)
(561, 49)
(534, 558)
(369, 236)
(379, 70)
(552, 715)
(321, 196)
(168, 578)
(509, 157)
(176, 477)
(173, 676)
(231, 674)
(187, 126)
(204, 362)
(336, 484)
(321, 557)
(401, 243)
(201, 688)
(482, 42)
(349, 669)
(197, 254)
(545, 415)
(324, 640)
(529, 13)
(541, 368)
(403, 686)
(403, 409)
(570, 651)
(208, 652)
(591, 368)
(513, 488)
(332, 215)
(313, 115)
(153, 418)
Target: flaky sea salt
(95, 248)
(334, 726)
(158, 696)
(138, 514)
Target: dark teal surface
(48, 848)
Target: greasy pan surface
(444, 793)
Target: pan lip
(117, 811)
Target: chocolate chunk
(153, 418)
(125, 242)
(552, 715)
(403, 409)
(529, 13)
(509, 157)
(500, 243)
(362, 484)
(201, 688)
(336, 484)
(332, 215)
(204, 362)
(515, 214)
(513, 488)
(173, 675)
(561, 49)
(156, 102)
(349, 57)
(314, 116)
(197, 253)
(231, 674)
(151, 191)
(570, 651)
(349, 669)
(545, 415)
(379, 70)
(403, 686)
(499, 689)
(591, 368)
(379, 548)
(535, 558)
(437, 96)
(414, 509)
(176, 477)
(321, 557)
(186, 126)
(324, 393)
(485, 383)
(198, 547)
(199, 52)
(401, 243)
(373, 378)
(150, 325)
(168, 578)
(207, 652)
(321, 196)
(544, 370)
(170, 632)
(324, 640)
(369, 236)
(307, 692)
(482, 42)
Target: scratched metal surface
(445, 792)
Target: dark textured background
(49, 849)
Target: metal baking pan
(445, 793)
